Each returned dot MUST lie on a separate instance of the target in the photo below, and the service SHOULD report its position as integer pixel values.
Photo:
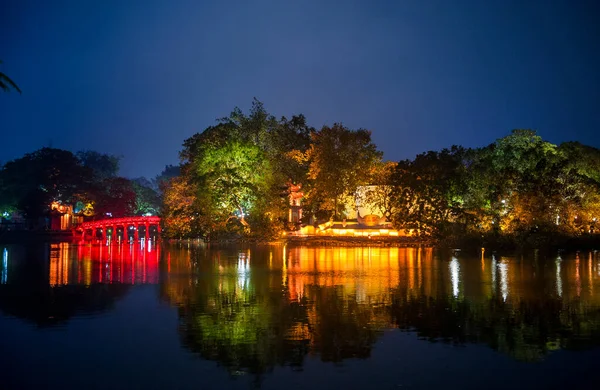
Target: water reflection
(49, 284)
(112, 263)
(254, 309)
(455, 275)
(4, 277)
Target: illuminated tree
(237, 169)
(290, 141)
(340, 161)
(429, 192)
(583, 159)
(181, 215)
(522, 166)
(147, 200)
(523, 151)
(234, 177)
(380, 193)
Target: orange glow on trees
(340, 161)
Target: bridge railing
(125, 221)
(114, 223)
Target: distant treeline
(518, 190)
(87, 181)
(234, 179)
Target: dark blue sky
(137, 77)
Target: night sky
(137, 77)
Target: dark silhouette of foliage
(6, 84)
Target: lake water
(189, 316)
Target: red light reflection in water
(115, 263)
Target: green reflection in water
(253, 309)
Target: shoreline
(24, 236)
(467, 244)
(401, 242)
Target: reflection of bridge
(134, 263)
(120, 228)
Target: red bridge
(120, 228)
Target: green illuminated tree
(234, 177)
(147, 199)
(238, 167)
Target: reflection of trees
(229, 313)
(244, 333)
(29, 295)
(49, 306)
(342, 327)
(250, 314)
(243, 318)
(526, 330)
(256, 330)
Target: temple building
(62, 217)
(295, 196)
(363, 218)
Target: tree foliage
(235, 175)
(162, 179)
(147, 198)
(233, 172)
(102, 165)
(428, 191)
(87, 181)
(520, 186)
(6, 84)
(182, 216)
(340, 160)
(379, 195)
(31, 183)
(116, 197)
